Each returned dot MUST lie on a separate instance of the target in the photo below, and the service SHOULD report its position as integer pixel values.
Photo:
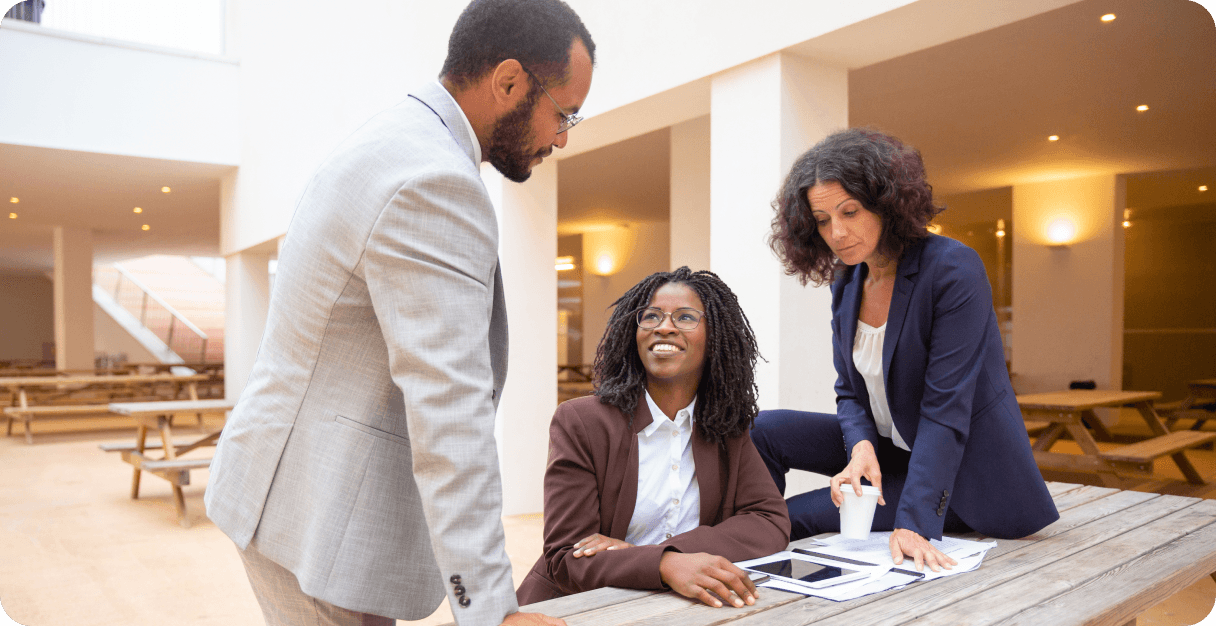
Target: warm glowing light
(608, 248)
(12, 216)
(563, 263)
(604, 264)
(1061, 231)
(1053, 138)
(165, 190)
(1000, 233)
(1142, 108)
(936, 229)
(1109, 17)
(137, 210)
(1127, 224)
(1203, 188)
(14, 200)
(145, 227)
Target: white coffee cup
(857, 514)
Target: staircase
(152, 289)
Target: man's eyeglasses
(651, 318)
(568, 119)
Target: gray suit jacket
(361, 455)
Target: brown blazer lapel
(625, 471)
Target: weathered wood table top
(1083, 399)
(169, 407)
(1111, 555)
(19, 382)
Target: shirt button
(675, 433)
(675, 500)
(675, 468)
(668, 535)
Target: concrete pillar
(247, 301)
(73, 288)
(527, 235)
(764, 114)
(690, 184)
(1068, 283)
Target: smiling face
(850, 230)
(674, 356)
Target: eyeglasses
(651, 318)
(568, 119)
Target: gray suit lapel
(438, 100)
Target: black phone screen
(799, 569)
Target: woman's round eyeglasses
(651, 318)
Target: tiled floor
(75, 549)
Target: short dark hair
(882, 173)
(726, 396)
(537, 33)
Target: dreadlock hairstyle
(726, 395)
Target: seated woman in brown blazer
(653, 482)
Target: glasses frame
(569, 120)
(638, 317)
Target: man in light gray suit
(358, 474)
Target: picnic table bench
(1071, 411)
(159, 416)
(1111, 555)
(55, 391)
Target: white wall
(690, 143)
(27, 314)
(650, 254)
(95, 95)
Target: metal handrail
(143, 312)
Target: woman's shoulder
(588, 412)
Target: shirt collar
(657, 416)
(467, 125)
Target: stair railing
(175, 317)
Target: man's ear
(508, 82)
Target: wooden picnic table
(1111, 555)
(1070, 411)
(159, 416)
(1201, 396)
(50, 392)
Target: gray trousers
(284, 604)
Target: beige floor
(76, 550)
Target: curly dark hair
(537, 33)
(726, 396)
(882, 173)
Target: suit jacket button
(458, 590)
(941, 511)
(945, 493)
(465, 602)
(455, 579)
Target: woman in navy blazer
(924, 405)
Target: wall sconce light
(1000, 228)
(1061, 231)
(608, 248)
(1127, 218)
(563, 263)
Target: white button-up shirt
(669, 500)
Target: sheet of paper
(877, 549)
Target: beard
(508, 149)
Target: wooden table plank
(1055, 579)
(136, 409)
(1082, 399)
(1118, 596)
(587, 601)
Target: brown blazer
(591, 486)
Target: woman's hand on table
(863, 464)
(908, 543)
(597, 542)
(697, 575)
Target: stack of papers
(872, 556)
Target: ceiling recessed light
(165, 190)
(1203, 188)
(137, 210)
(1109, 17)
(12, 216)
(145, 227)
(1142, 108)
(14, 200)
(1053, 138)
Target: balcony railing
(191, 25)
(170, 326)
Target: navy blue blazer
(949, 394)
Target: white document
(877, 550)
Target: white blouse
(867, 358)
(669, 499)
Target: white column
(527, 235)
(690, 184)
(73, 288)
(247, 293)
(1068, 283)
(764, 114)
